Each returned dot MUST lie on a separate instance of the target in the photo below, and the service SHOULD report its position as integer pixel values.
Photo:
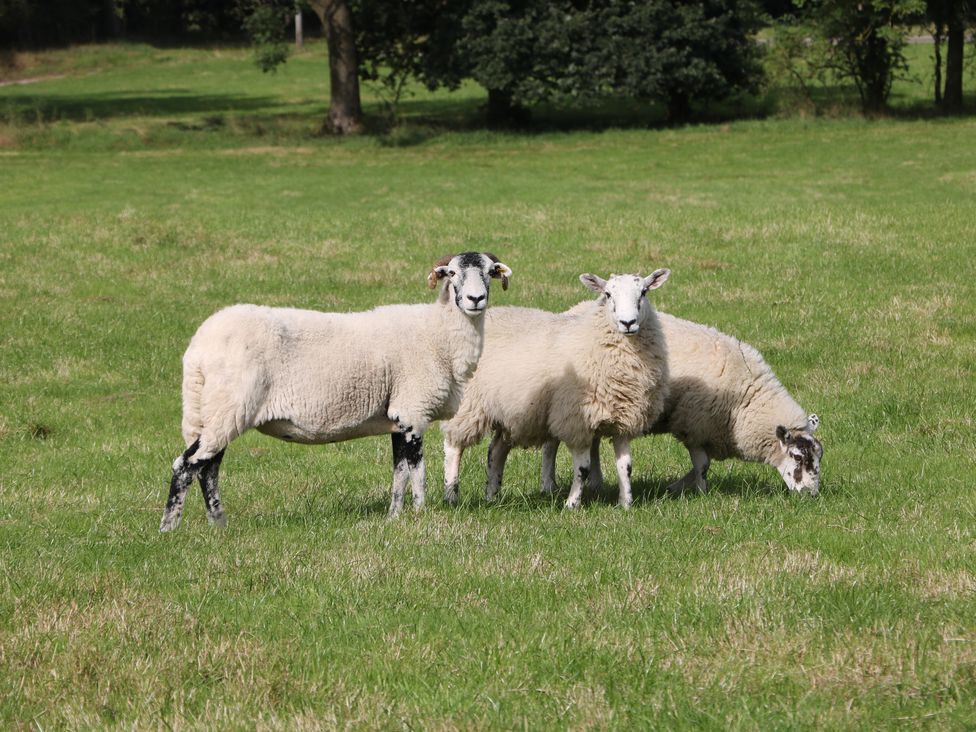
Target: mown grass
(842, 249)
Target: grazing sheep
(601, 370)
(313, 377)
(725, 402)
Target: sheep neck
(766, 404)
(464, 338)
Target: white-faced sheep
(314, 378)
(725, 402)
(599, 371)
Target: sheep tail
(192, 399)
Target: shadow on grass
(420, 121)
(45, 108)
(417, 121)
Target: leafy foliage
(52, 22)
(265, 23)
(857, 41)
(660, 50)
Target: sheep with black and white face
(313, 377)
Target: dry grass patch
(270, 150)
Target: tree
(861, 41)
(528, 51)
(267, 23)
(345, 114)
(407, 39)
(950, 19)
(679, 52)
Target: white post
(299, 36)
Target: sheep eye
(451, 273)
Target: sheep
(313, 377)
(724, 402)
(542, 376)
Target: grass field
(154, 186)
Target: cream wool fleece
(724, 397)
(315, 377)
(568, 376)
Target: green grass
(842, 249)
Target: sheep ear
(597, 284)
(657, 278)
(436, 274)
(783, 435)
(813, 421)
(502, 271)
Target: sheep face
(625, 297)
(800, 461)
(468, 276)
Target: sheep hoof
(625, 505)
(219, 521)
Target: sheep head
(467, 278)
(800, 453)
(625, 297)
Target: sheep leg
(621, 449)
(696, 476)
(418, 477)
(211, 496)
(595, 483)
(178, 485)
(700, 464)
(497, 455)
(581, 472)
(408, 454)
(452, 471)
(185, 469)
(548, 479)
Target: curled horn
(495, 259)
(434, 275)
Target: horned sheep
(601, 370)
(314, 377)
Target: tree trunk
(937, 37)
(345, 115)
(875, 71)
(112, 21)
(678, 107)
(503, 110)
(955, 47)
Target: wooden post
(299, 36)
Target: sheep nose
(476, 299)
(628, 324)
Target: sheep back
(723, 395)
(313, 376)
